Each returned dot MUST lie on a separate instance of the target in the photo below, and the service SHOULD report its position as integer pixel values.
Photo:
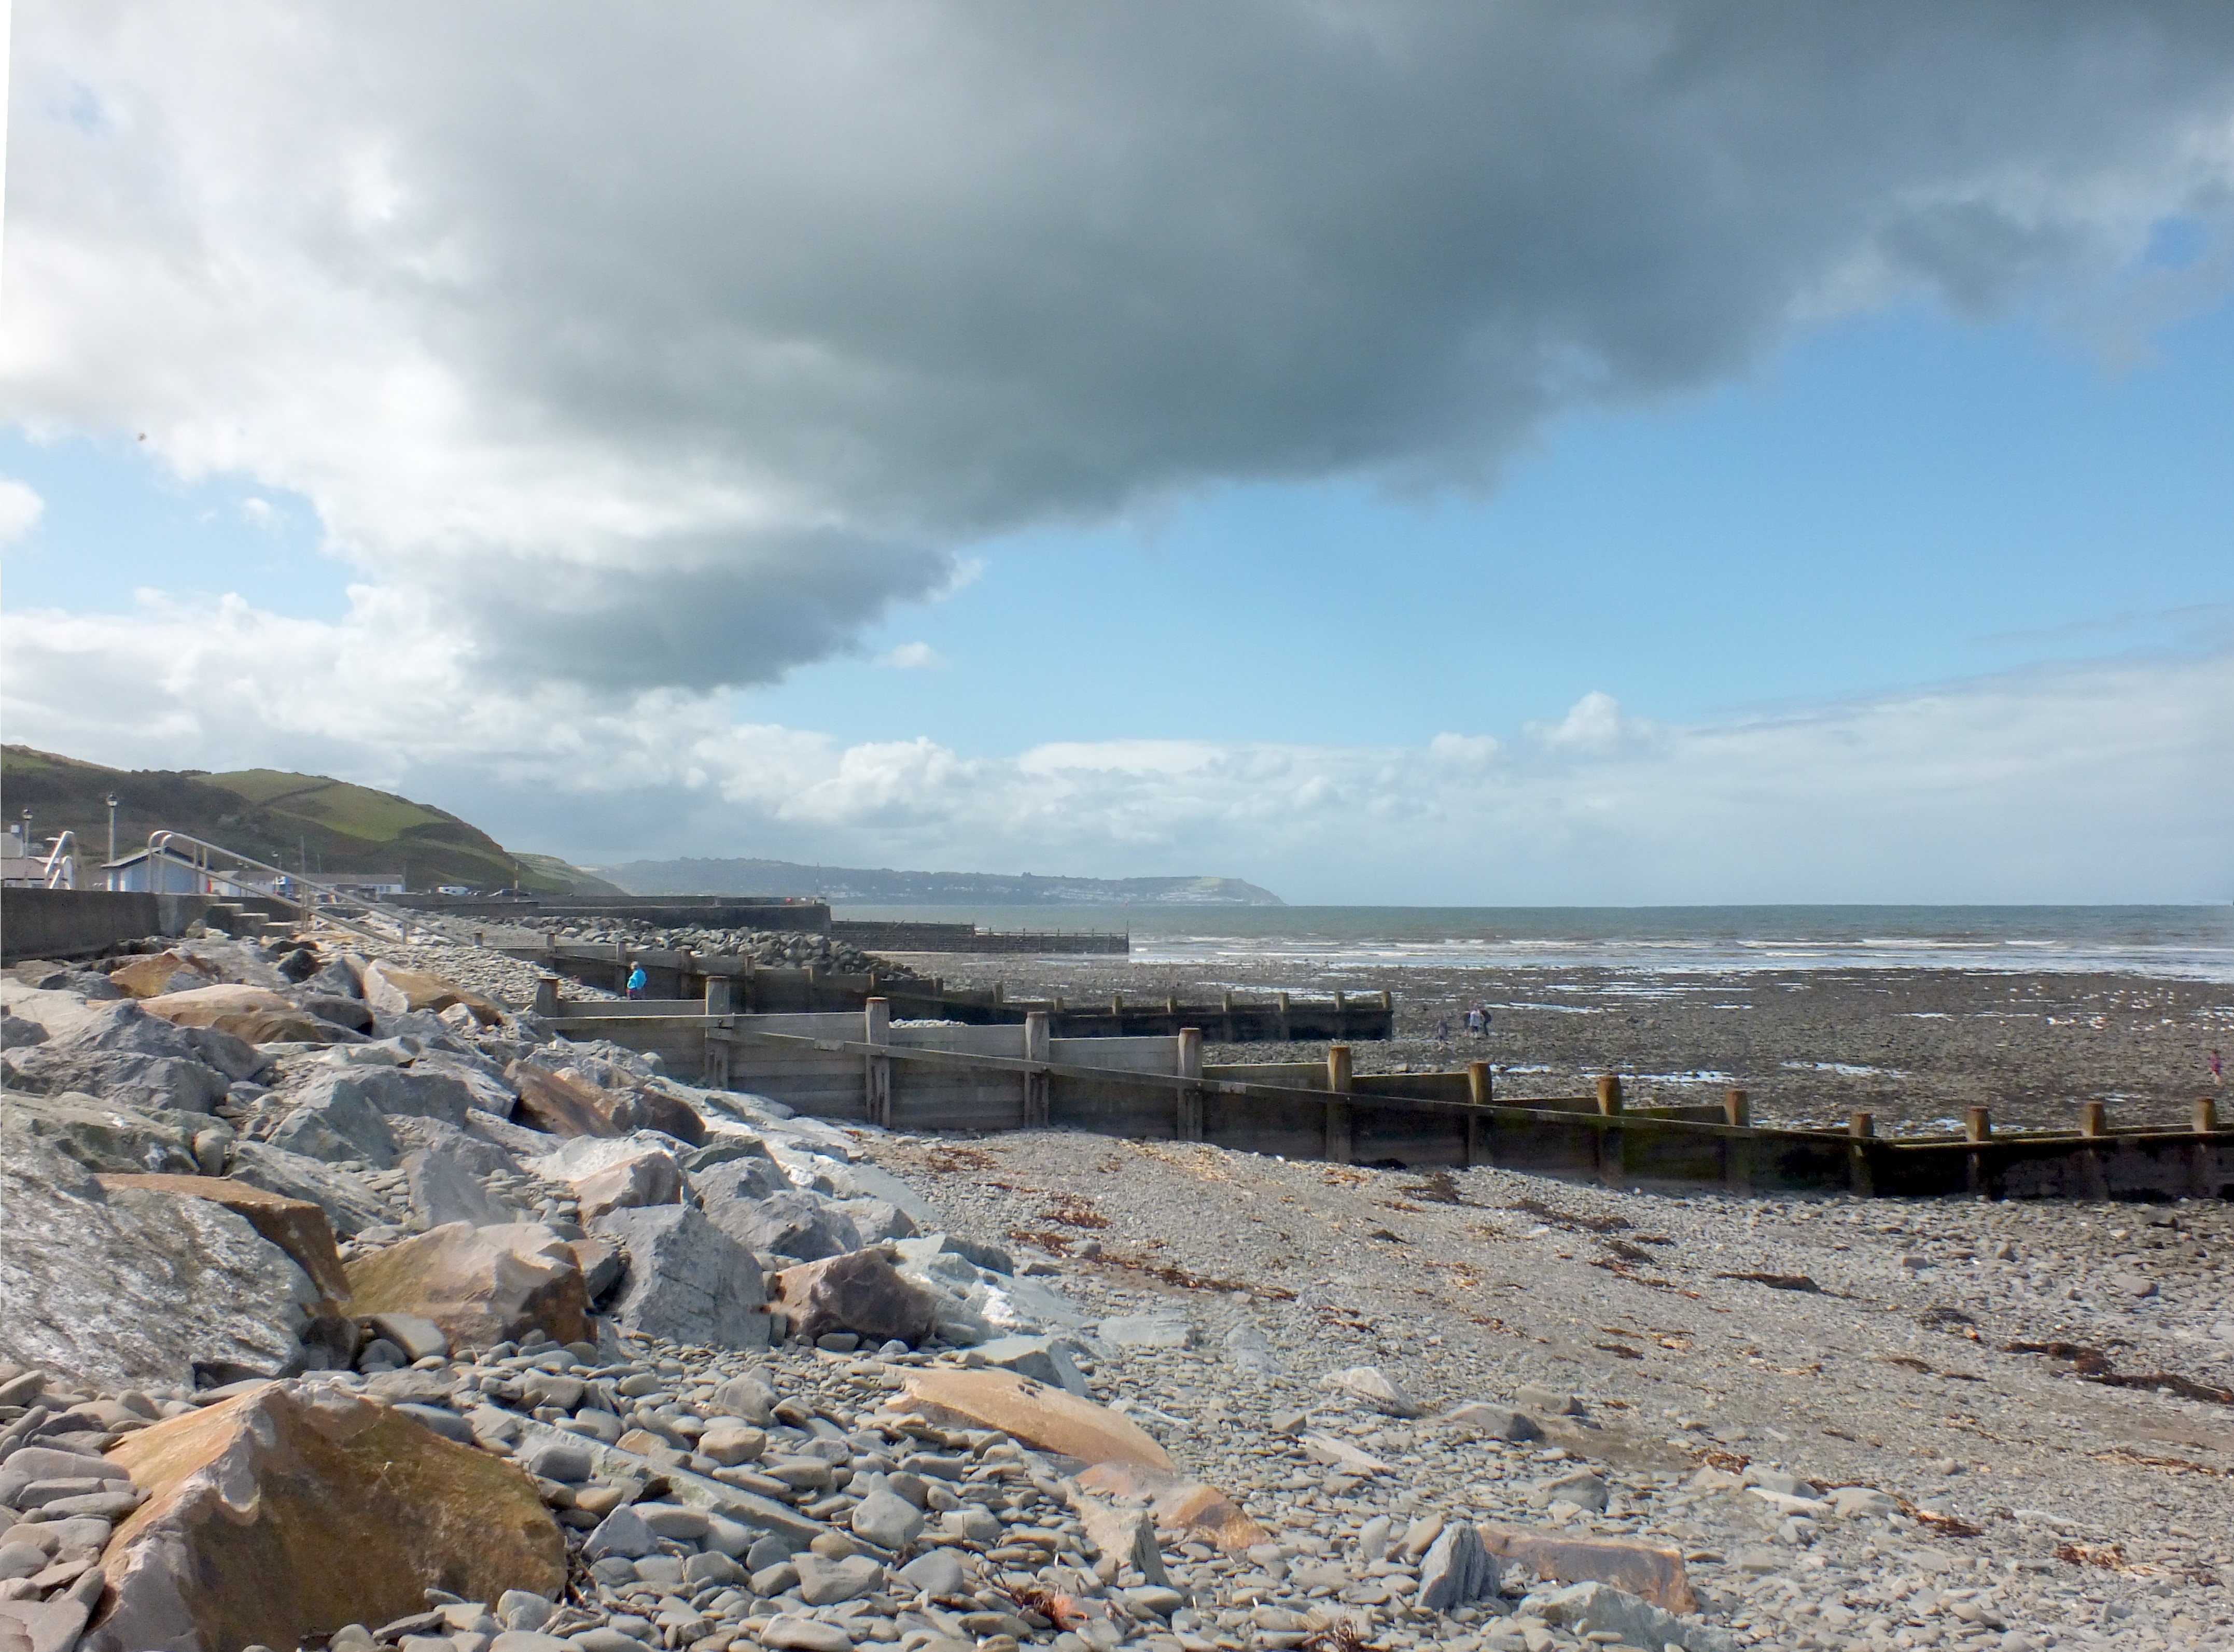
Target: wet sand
(1915, 1047)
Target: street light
(112, 828)
(27, 834)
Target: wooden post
(2094, 1119)
(1977, 1124)
(620, 952)
(481, 938)
(1862, 1124)
(1338, 1119)
(1737, 1151)
(546, 995)
(1737, 1110)
(1859, 1182)
(752, 985)
(2201, 1155)
(1611, 1147)
(1188, 1126)
(1117, 1010)
(877, 1070)
(1171, 1008)
(1225, 1013)
(1609, 1093)
(1037, 1039)
(1341, 1009)
(1281, 1000)
(2207, 1115)
(717, 995)
(1000, 992)
(1480, 1128)
(2094, 1125)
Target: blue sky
(1441, 452)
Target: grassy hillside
(883, 887)
(302, 822)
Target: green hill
(300, 822)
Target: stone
(623, 1532)
(602, 1264)
(419, 1337)
(235, 1057)
(1122, 1538)
(122, 1078)
(47, 1626)
(1338, 1454)
(1043, 1358)
(1579, 1486)
(1249, 1349)
(392, 989)
(747, 1174)
(350, 1206)
(1848, 1503)
(562, 1461)
(1146, 1330)
(284, 1514)
(1457, 1570)
(130, 1288)
(296, 1226)
(744, 1396)
(647, 1178)
(860, 1292)
(675, 1521)
(443, 1191)
(1188, 1507)
(1587, 1608)
(687, 1280)
(787, 1224)
(831, 1583)
(559, 1106)
(254, 1014)
(888, 1521)
(798, 1634)
(517, 1609)
(1041, 1416)
(1369, 1384)
(349, 1013)
(1651, 1571)
(730, 1443)
(333, 1118)
(529, 1641)
(1499, 1422)
(939, 1572)
(875, 1221)
(669, 1115)
(96, 1135)
(1547, 1402)
(482, 1285)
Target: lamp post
(112, 828)
(27, 834)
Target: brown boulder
(1647, 1570)
(249, 1013)
(563, 1107)
(649, 1178)
(1188, 1507)
(482, 1285)
(149, 976)
(1051, 1419)
(670, 1115)
(277, 1517)
(394, 990)
(296, 1225)
(860, 1291)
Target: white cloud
(674, 348)
(2095, 781)
(21, 508)
(912, 656)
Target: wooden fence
(923, 1079)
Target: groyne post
(1480, 1128)
(1037, 1037)
(1861, 1126)
(1338, 1114)
(1188, 1064)
(877, 1070)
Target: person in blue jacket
(637, 981)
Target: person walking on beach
(2214, 1066)
(637, 981)
(1473, 1022)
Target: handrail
(61, 870)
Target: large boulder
(750, 1174)
(785, 1224)
(126, 1288)
(161, 972)
(127, 1078)
(649, 1178)
(295, 1225)
(332, 1118)
(393, 990)
(687, 1281)
(860, 1292)
(562, 1105)
(349, 1206)
(482, 1285)
(444, 1190)
(278, 1517)
(1039, 1416)
(253, 1014)
(98, 1135)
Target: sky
(1415, 452)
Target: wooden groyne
(861, 1067)
(722, 984)
(908, 936)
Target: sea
(2180, 941)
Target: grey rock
(20, 1559)
(50, 1626)
(350, 1206)
(741, 1174)
(877, 1220)
(444, 1190)
(127, 1078)
(333, 1118)
(1547, 1402)
(1249, 1349)
(888, 1521)
(792, 1224)
(688, 1281)
(134, 1288)
(713, 1568)
(1373, 1386)
(1581, 1487)
(792, 1633)
(475, 1153)
(564, 1461)
(236, 1058)
(446, 1423)
(1043, 1358)
(675, 1521)
(1146, 1330)
(96, 1135)
(1457, 1570)
(524, 1640)
(939, 1572)
(1591, 1608)
(517, 1609)
(831, 1583)
(1499, 1422)
(872, 1181)
(622, 1533)
(419, 1338)
(18, 1032)
(746, 1397)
